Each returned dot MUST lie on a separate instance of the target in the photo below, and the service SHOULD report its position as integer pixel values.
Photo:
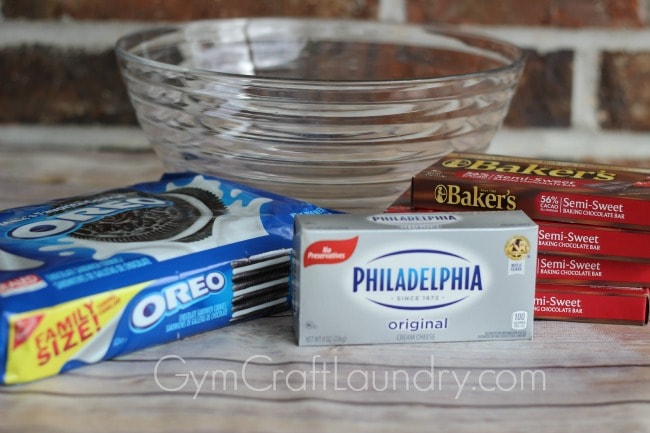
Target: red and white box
(596, 304)
(578, 239)
(559, 269)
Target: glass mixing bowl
(339, 113)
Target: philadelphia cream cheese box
(413, 277)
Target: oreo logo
(72, 219)
(123, 216)
(152, 308)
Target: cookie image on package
(260, 284)
(640, 188)
(182, 218)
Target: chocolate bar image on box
(641, 187)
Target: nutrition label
(520, 320)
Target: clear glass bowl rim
(142, 35)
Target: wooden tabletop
(253, 377)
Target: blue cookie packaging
(88, 278)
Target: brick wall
(585, 93)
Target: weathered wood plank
(28, 177)
(257, 365)
(253, 377)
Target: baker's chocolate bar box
(589, 269)
(595, 304)
(594, 241)
(573, 239)
(546, 190)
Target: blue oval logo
(418, 279)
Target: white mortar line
(88, 35)
(585, 82)
(551, 39)
(644, 10)
(102, 35)
(392, 10)
(571, 144)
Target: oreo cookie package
(88, 278)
